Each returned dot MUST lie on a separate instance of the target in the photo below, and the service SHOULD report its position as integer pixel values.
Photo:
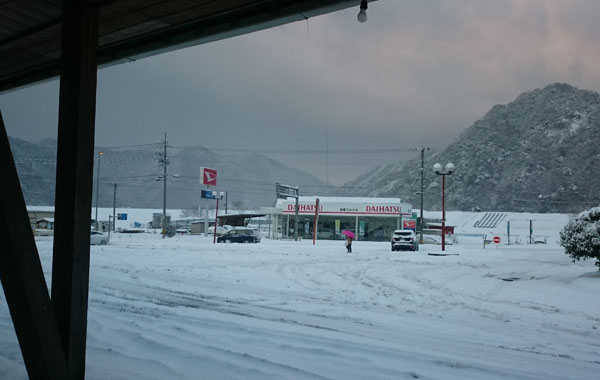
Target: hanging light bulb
(362, 14)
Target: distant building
(157, 220)
(197, 227)
(39, 212)
(44, 227)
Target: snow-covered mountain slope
(538, 153)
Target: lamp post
(422, 191)
(220, 196)
(437, 168)
(97, 188)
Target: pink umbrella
(350, 234)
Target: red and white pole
(316, 221)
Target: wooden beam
(74, 172)
(23, 279)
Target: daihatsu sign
(348, 208)
(208, 176)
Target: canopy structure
(30, 30)
(237, 219)
(43, 39)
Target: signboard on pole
(409, 224)
(208, 176)
(208, 194)
(285, 191)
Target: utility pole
(164, 162)
(327, 154)
(114, 205)
(114, 217)
(97, 188)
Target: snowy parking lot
(183, 308)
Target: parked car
(404, 240)
(97, 237)
(43, 232)
(220, 229)
(239, 235)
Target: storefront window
(378, 229)
(330, 227)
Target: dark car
(239, 235)
(404, 240)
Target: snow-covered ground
(183, 308)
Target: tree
(581, 236)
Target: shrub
(581, 236)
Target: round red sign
(496, 239)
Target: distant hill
(249, 179)
(539, 153)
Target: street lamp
(219, 196)
(97, 187)
(437, 168)
(422, 191)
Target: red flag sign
(208, 176)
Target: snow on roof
(40, 208)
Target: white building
(369, 218)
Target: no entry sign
(496, 239)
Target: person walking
(349, 237)
(349, 244)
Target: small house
(44, 227)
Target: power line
(154, 145)
(304, 151)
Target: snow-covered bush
(581, 236)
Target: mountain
(36, 165)
(248, 178)
(539, 153)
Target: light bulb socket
(362, 14)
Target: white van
(220, 229)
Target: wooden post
(23, 279)
(74, 178)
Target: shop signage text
(346, 208)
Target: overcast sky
(417, 72)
